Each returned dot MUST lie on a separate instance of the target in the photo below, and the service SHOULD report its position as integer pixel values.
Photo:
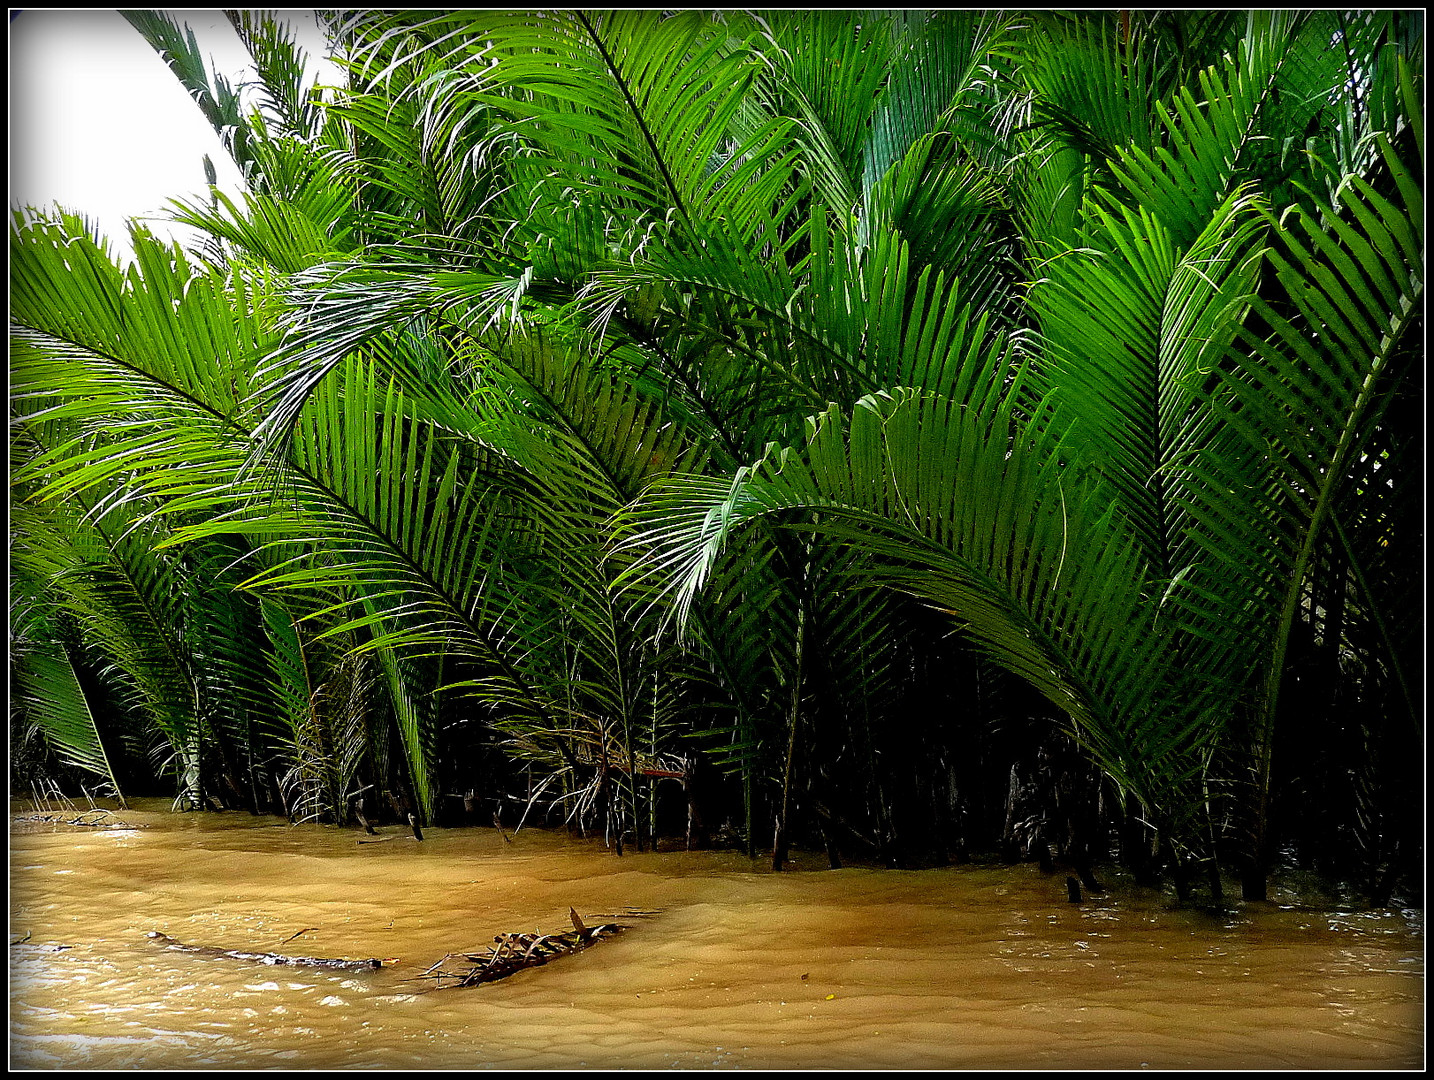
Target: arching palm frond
(126, 609)
(1040, 579)
(47, 689)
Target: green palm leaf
(48, 690)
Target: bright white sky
(99, 124)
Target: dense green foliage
(823, 414)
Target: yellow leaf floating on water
(830, 996)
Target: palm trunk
(780, 840)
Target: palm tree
(1092, 333)
(1134, 532)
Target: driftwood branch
(265, 957)
(512, 953)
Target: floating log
(263, 957)
(515, 952)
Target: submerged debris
(97, 818)
(266, 958)
(28, 948)
(512, 953)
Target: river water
(724, 964)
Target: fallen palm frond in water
(268, 958)
(512, 953)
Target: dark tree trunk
(779, 842)
(829, 841)
(699, 835)
(1254, 881)
(1383, 887)
(1136, 850)
(1180, 872)
(1217, 887)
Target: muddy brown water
(736, 967)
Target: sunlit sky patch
(99, 124)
